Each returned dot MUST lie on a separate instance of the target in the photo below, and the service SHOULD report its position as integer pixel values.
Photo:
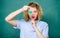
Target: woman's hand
(24, 8)
(33, 23)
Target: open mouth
(33, 17)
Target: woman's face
(34, 13)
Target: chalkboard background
(51, 11)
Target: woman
(31, 26)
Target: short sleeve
(45, 30)
(18, 23)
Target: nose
(32, 13)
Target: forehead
(33, 9)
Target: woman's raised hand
(24, 8)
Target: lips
(33, 17)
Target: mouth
(33, 17)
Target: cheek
(36, 14)
(29, 15)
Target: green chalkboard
(51, 9)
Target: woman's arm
(39, 33)
(10, 17)
(37, 30)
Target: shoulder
(43, 23)
(20, 20)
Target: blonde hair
(39, 9)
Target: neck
(32, 20)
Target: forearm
(13, 14)
(38, 33)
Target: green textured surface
(51, 14)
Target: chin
(32, 19)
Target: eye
(35, 11)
